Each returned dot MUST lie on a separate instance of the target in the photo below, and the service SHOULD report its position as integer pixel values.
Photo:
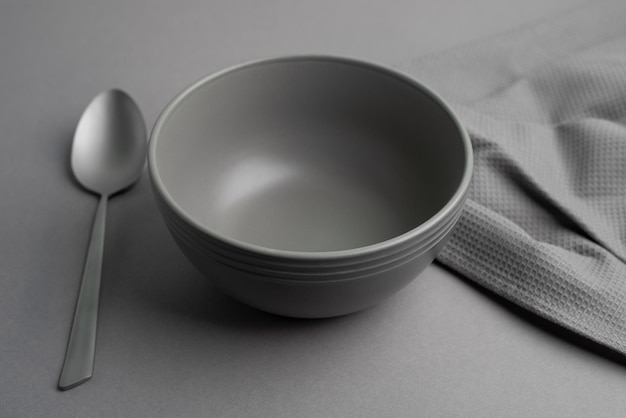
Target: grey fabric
(545, 224)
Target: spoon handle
(79, 357)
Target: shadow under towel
(545, 223)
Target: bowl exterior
(308, 299)
(312, 297)
(319, 269)
(310, 284)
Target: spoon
(108, 156)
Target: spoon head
(109, 148)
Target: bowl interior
(308, 155)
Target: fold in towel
(545, 223)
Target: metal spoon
(108, 156)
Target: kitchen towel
(545, 223)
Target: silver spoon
(108, 156)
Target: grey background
(169, 344)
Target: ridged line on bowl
(318, 268)
(313, 270)
(309, 272)
(283, 264)
(221, 246)
(308, 276)
(315, 263)
(309, 269)
(280, 278)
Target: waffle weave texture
(545, 223)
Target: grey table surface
(169, 344)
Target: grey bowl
(309, 186)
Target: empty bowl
(309, 186)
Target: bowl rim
(457, 198)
